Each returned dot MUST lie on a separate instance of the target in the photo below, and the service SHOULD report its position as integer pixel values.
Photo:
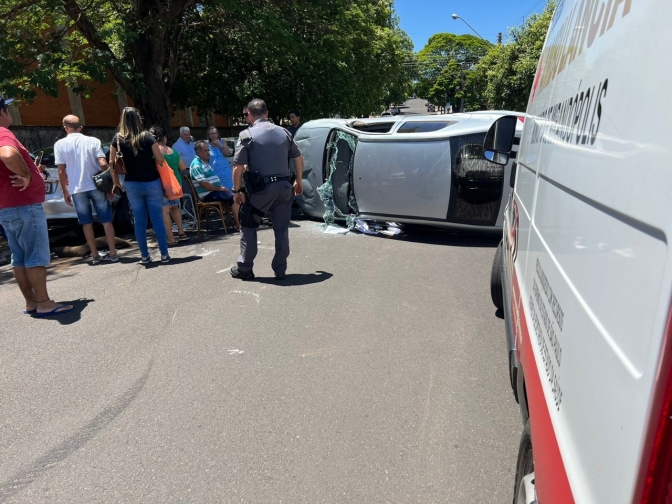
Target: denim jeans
(147, 197)
(26, 229)
(83, 201)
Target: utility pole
(499, 38)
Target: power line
(532, 9)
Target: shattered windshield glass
(337, 192)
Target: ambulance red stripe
(551, 482)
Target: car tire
(123, 216)
(496, 278)
(525, 463)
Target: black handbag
(103, 181)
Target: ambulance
(583, 274)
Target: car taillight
(655, 472)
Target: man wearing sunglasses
(21, 214)
(246, 116)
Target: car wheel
(524, 467)
(496, 279)
(123, 216)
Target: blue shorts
(82, 202)
(171, 202)
(27, 235)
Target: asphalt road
(377, 372)
(414, 106)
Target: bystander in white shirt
(79, 153)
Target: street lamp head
(455, 16)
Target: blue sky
(423, 18)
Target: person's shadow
(72, 316)
(295, 279)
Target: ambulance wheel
(496, 279)
(525, 464)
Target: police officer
(266, 150)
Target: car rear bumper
(56, 209)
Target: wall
(101, 109)
(36, 137)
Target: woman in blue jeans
(143, 186)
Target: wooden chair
(219, 207)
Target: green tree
(325, 57)
(77, 41)
(438, 60)
(502, 79)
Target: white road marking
(225, 270)
(248, 293)
(235, 351)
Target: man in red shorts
(22, 216)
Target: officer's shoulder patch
(245, 138)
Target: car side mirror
(496, 157)
(499, 140)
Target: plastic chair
(199, 207)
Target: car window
(378, 127)
(424, 127)
(477, 183)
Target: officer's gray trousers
(276, 199)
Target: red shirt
(10, 196)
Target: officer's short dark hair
(257, 107)
(199, 144)
(295, 112)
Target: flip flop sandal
(183, 237)
(30, 312)
(60, 309)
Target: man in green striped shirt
(207, 184)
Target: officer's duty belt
(273, 178)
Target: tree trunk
(154, 105)
(149, 58)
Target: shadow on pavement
(295, 279)
(72, 316)
(440, 237)
(173, 261)
(499, 314)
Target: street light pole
(455, 16)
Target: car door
(402, 177)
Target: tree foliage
(325, 57)
(441, 64)
(486, 76)
(503, 78)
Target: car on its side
(59, 212)
(425, 170)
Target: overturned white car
(411, 169)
